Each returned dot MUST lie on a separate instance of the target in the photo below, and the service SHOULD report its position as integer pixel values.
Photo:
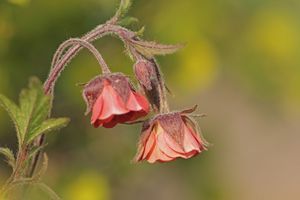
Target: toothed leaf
(127, 21)
(140, 32)
(30, 117)
(34, 105)
(48, 126)
(15, 114)
(9, 156)
(151, 49)
(123, 8)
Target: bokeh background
(241, 66)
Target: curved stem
(59, 52)
(97, 33)
(89, 46)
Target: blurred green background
(241, 66)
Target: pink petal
(136, 115)
(188, 124)
(125, 117)
(149, 145)
(189, 141)
(132, 103)
(157, 155)
(97, 109)
(173, 144)
(112, 103)
(164, 147)
(97, 123)
(110, 124)
(100, 122)
(197, 138)
(140, 153)
(191, 154)
(142, 144)
(142, 101)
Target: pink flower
(112, 100)
(169, 136)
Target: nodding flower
(113, 100)
(169, 136)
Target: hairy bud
(145, 73)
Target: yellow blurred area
(19, 2)
(89, 186)
(275, 32)
(197, 66)
(169, 23)
(198, 69)
(6, 29)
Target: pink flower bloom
(113, 100)
(169, 136)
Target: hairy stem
(98, 32)
(60, 61)
(89, 46)
(17, 172)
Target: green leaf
(14, 113)
(34, 105)
(35, 149)
(123, 8)
(9, 155)
(128, 21)
(46, 127)
(150, 49)
(43, 168)
(30, 118)
(140, 32)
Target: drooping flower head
(112, 100)
(169, 136)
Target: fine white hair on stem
(61, 49)
(89, 46)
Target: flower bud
(145, 73)
(112, 100)
(147, 76)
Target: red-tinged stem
(98, 32)
(90, 47)
(59, 62)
